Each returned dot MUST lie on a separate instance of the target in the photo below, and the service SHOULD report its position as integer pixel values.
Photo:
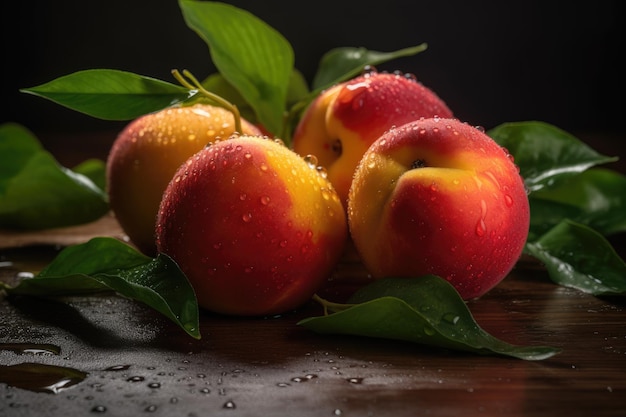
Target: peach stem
(196, 85)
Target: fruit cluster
(378, 162)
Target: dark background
(492, 62)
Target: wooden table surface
(128, 360)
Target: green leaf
(425, 310)
(217, 84)
(95, 170)
(340, 64)
(251, 55)
(111, 94)
(36, 192)
(545, 153)
(577, 256)
(596, 198)
(107, 264)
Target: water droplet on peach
(481, 228)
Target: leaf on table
(105, 263)
(595, 198)
(577, 256)
(545, 153)
(38, 193)
(340, 64)
(426, 310)
(111, 94)
(255, 58)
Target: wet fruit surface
(146, 154)
(345, 119)
(438, 196)
(255, 227)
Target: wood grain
(273, 367)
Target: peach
(147, 153)
(344, 120)
(438, 196)
(256, 228)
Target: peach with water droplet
(148, 151)
(438, 196)
(344, 120)
(255, 227)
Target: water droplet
(98, 409)
(265, 200)
(311, 161)
(135, 379)
(508, 200)
(34, 348)
(481, 228)
(369, 70)
(229, 405)
(154, 385)
(40, 377)
(150, 409)
(451, 318)
(117, 368)
(429, 331)
(355, 380)
(246, 217)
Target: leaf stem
(329, 305)
(196, 85)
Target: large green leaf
(38, 193)
(425, 310)
(107, 264)
(577, 256)
(340, 64)
(251, 55)
(111, 94)
(596, 198)
(545, 153)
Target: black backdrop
(492, 62)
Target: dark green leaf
(36, 192)
(108, 264)
(577, 256)
(340, 64)
(425, 310)
(251, 55)
(111, 94)
(545, 153)
(596, 198)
